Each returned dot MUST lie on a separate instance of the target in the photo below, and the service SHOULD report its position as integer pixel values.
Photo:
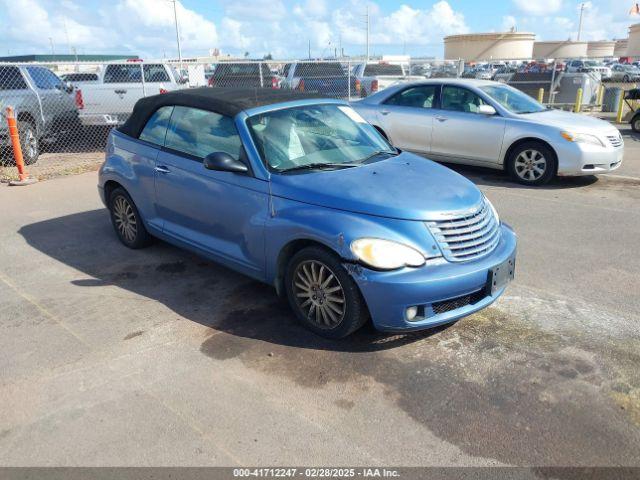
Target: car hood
(570, 121)
(406, 187)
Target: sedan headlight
(582, 138)
(386, 254)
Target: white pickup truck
(110, 100)
(375, 76)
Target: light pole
(368, 31)
(175, 18)
(53, 52)
(580, 22)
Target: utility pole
(368, 31)
(580, 23)
(309, 49)
(175, 18)
(53, 52)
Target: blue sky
(284, 27)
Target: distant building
(562, 49)
(487, 46)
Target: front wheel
(126, 220)
(29, 143)
(323, 295)
(532, 163)
(626, 79)
(635, 124)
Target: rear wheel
(532, 163)
(126, 220)
(323, 295)
(635, 124)
(29, 143)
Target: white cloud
(538, 7)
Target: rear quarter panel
(131, 163)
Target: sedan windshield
(513, 100)
(315, 137)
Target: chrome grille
(467, 237)
(615, 140)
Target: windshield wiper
(378, 152)
(319, 166)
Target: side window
(459, 99)
(417, 97)
(11, 79)
(156, 128)
(155, 73)
(199, 133)
(43, 79)
(123, 74)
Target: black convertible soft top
(225, 101)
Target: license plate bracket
(501, 275)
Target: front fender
(336, 229)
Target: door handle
(120, 91)
(385, 112)
(442, 119)
(162, 169)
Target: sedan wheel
(28, 143)
(319, 294)
(530, 165)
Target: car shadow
(497, 178)
(192, 287)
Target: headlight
(385, 254)
(582, 138)
(493, 209)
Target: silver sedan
(493, 125)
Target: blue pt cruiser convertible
(302, 193)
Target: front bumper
(389, 294)
(585, 159)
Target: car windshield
(314, 136)
(513, 100)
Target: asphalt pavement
(157, 357)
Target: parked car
(625, 73)
(585, 66)
(110, 100)
(372, 77)
(302, 194)
(325, 78)
(490, 124)
(43, 106)
(243, 75)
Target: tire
(29, 142)
(322, 295)
(126, 220)
(532, 163)
(626, 79)
(635, 124)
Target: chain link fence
(65, 110)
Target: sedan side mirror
(486, 110)
(223, 162)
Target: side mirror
(486, 110)
(223, 162)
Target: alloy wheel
(530, 165)
(319, 294)
(125, 219)
(29, 143)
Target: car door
(56, 103)
(156, 79)
(121, 89)
(220, 213)
(407, 117)
(462, 134)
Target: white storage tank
(489, 46)
(601, 49)
(620, 49)
(559, 49)
(633, 47)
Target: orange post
(17, 149)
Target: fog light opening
(411, 313)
